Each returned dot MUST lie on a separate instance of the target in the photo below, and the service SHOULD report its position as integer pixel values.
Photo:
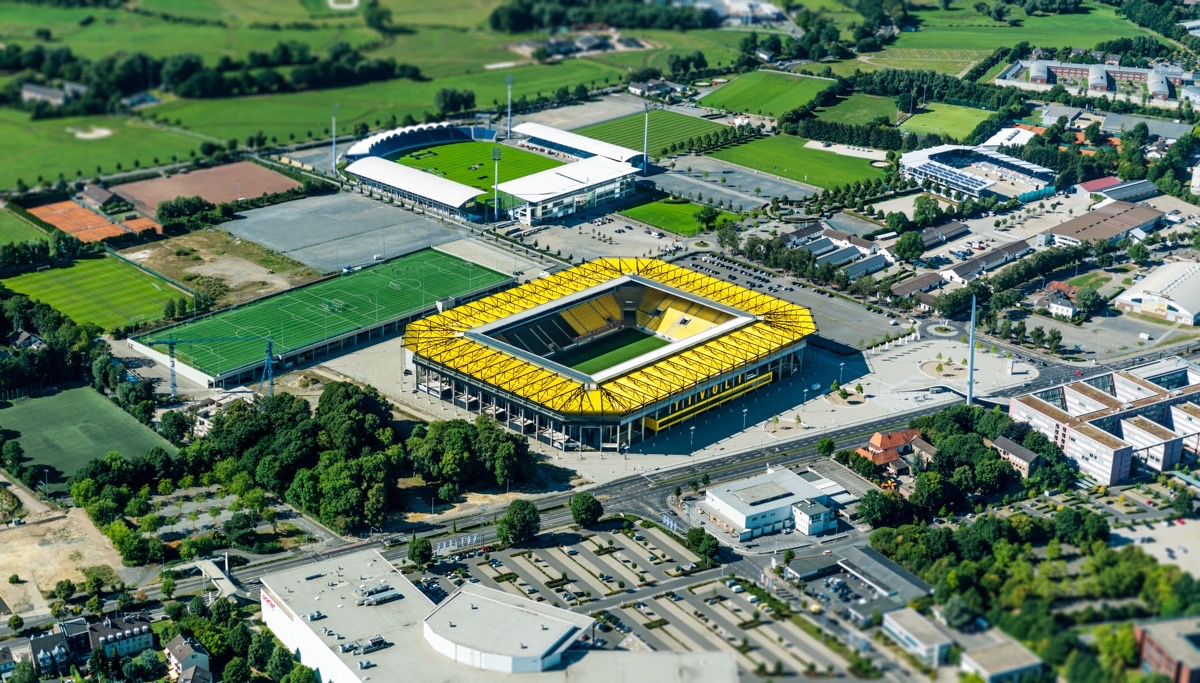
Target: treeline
(69, 346)
(457, 456)
(521, 16)
(1161, 16)
(194, 213)
(725, 136)
(1135, 52)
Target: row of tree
(522, 16)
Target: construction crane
(268, 375)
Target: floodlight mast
(508, 80)
(496, 187)
(333, 163)
(646, 138)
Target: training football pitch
(676, 217)
(63, 432)
(105, 291)
(470, 163)
(860, 110)
(14, 229)
(665, 127)
(768, 93)
(786, 156)
(606, 352)
(329, 308)
(945, 119)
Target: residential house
(123, 636)
(196, 675)
(24, 340)
(7, 662)
(920, 283)
(50, 655)
(1057, 303)
(884, 449)
(844, 239)
(1023, 460)
(183, 653)
(98, 197)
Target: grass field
(455, 162)
(945, 119)
(859, 109)
(665, 127)
(328, 308)
(48, 147)
(765, 92)
(606, 352)
(13, 228)
(719, 47)
(787, 156)
(671, 216)
(105, 291)
(63, 432)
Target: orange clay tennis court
(140, 225)
(68, 216)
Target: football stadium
(608, 353)
(544, 173)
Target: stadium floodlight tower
(333, 162)
(496, 187)
(646, 137)
(268, 375)
(508, 81)
(971, 358)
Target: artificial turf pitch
(665, 127)
(325, 309)
(608, 351)
(65, 431)
(470, 163)
(105, 291)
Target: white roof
(495, 622)
(363, 147)
(1010, 137)
(1178, 281)
(418, 182)
(568, 179)
(577, 141)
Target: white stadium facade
(596, 172)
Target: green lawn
(300, 113)
(48, 147)
(859, 109)
(786, 156)
(945, 119)
(718, 46)
(63, 432)
(1095, 280)
(665, 127)
(769, 93)
(608, 351)
(676, 217)
(13, 228)
(470, 163)
(105, 291)
(329, 308)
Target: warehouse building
(353, 614)
(1111, 222)
(1171, 293)
(772, 502)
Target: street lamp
(691, 438)
(744, 411)
(841, 369)
(806, 395)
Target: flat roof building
(1171, 293)
(1114, 124)
(574, 144)
(347, 615)
(414, 185)
(1170, 647)
(919, 636)
(1109, 222)
(1005, 662)
(777, 500)
(562, 191)
(950, 166)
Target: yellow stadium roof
(441, 339)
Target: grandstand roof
(577, 141)
(363, 147)
(568, 179)
(432, 187)
(441, 339)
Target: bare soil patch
(218, 185)
(950, 370)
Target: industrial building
(1118, 424)
(1102, 77)
(349, 616)
(920, 637)
(1169, 647)
(565, 190)
(1004, 662)
(516, 355)
(986, 262)
(1111, 222)
(1171, 293)
(777, 500)
(976, 171)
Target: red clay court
(77, 221)
(218, 185)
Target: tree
(420, 551)
(520, 523)
(167, 586)
(956, 612)
(910, 246)
(64, 590)
(826, 447)
(280, 664)
(1088, 301)
(24, 672)
(883, 508)
(700, 542)
(15, 622)
(238, 671)
(585, 509)
(1053, 340)
(1138, 253)
(262, 646)
(1181, 505)
(1037, 335)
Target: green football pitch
(768, 93)
(105, 291)
(63, 432)
(470, 163)
(860, 110)
(676, 217)
(606, 352)
(945, 119)
(787, 156)
(329, 308)
(665, 127)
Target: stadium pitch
(768, 93)
(665, 127)
(470, 163)
(606, 352)
(332, 307)
(63, 432)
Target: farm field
(676, 217)
(48, 147)
(768, 93)
(63, 432)
(859, 109)
(13, 229)
(298, 114)
(787, 156)
(335, 306)
(614, 349)
(665, 127)
(105, 291)
(945, 119)
(470, 163)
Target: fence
(1035, 195)
(146, 270)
